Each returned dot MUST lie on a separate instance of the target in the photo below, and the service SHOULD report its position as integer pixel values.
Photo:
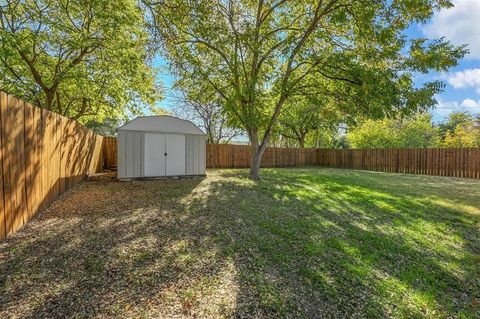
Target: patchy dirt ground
(301, 243)
(113, 249)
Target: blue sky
(460, 25)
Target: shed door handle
(165, 154)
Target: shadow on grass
(108, 249)
(336, 244)
(300, 243)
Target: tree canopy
(292, 71)
(460, 129)
(415, 131)
(258, 54)
(86, 60)
(303, 115)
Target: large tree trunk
(49, 98)
(254, 147)
(254, 152)
(259, 148)
(301, 142)
(257, 151)
(255, 161)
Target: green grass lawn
(300, 243)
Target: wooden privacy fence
(109, 152)
(42, 154)
(238, 156)
(457, 162)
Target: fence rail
(42, 154)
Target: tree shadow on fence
(42, 155)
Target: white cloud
(469, 103)
(458, 106)
(460, 25)
(444, 108)
(469, 78)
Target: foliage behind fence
(42, 155)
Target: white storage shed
(160, 146)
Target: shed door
(155, 154)
(175, 145)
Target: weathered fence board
(42, 154)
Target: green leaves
(258, 54)
(459, 130)
(91, 58)
(305, 117)
(416, 131)
(438, 55)
(84, 59)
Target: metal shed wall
(130, 154)
(195, 155)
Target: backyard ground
(300, 243)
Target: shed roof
(161, 124)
